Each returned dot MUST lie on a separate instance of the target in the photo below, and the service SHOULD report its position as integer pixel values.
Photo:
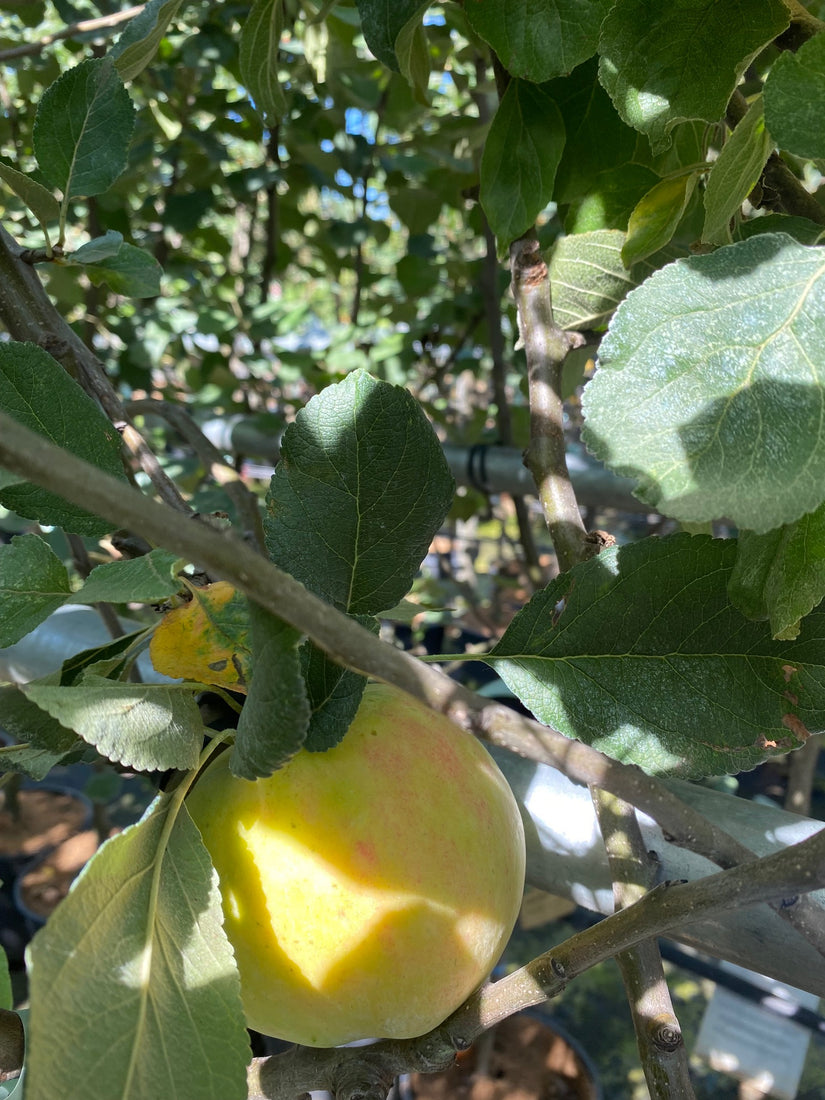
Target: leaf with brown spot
(206, 639)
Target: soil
(48, 881)
(45, 819)
(527, 1061)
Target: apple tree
(357, 232)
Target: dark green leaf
(361, 488)
(118, 649)
(42, 741)
(780, 575)
(146, 579)
(382, 23)
(134, 975)
(648, 47)
(150, 727)
(39, 200)
(735, 173)
(542, 39)
(38, 393)
(640, 653)
(138, 44)
(521, 155)
(711, 387)
(132, 272)
(334, 694)
(83, 129)
(260, 43)
(795, 99)
(33, 584)
(597, 139)
(273, 722)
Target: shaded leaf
(138, 43)
(101, 248)
(521, 155)
(780, 575)
(33, 584)
(588, 278)
(382, 23)
(38, 393)
(640, 653)
(539, 39)
(151, 727)
(134, 975)
(39, 200)
(42, 741)
(147, 579)
(735, 173)
(206, 639)
(132, 272)
(360, 491)
(334, 694)
(647, 48)
(121, 650)
(260, 42)
(710, 390)
(273, 723)
(83, 129)
(655, 218)
(795, 99)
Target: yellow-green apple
(369, 889)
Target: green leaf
(655, 218)
(801, 229)
(101, 248)
(647, 48)
(151, 727)
(382, 23)
(735, 173)
(795, 99)
(132, 272)
(520, 158)
(334, 693)
(542, 39)
(413, 53)
(39, 394)
(83, 129)
(147, 579)
(39, 200)
(640, 653)
(134, 989)
(588, 278)
(139, 42)
(273, 723)
(361, 489)
(42, 741)
(780, 575)
(259, 46)
(611, 199)
(597, 139)
(6, 994)
(710, 387)
(33, 584)
(117, 651)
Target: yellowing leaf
(206, 639)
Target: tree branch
(366, 1073)
(85, 26)
(546, 348)
(658, 1034)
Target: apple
(369, 889)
